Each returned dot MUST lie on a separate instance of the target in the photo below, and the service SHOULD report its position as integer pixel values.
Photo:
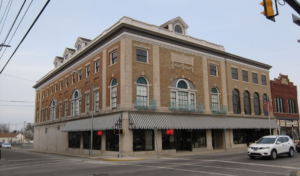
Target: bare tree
(3, 128)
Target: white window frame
(60, 110)
(73, 78)
(61, 85)
(144, 50)
(37, 115)
(87, 103)
(67, 81)
(87, 74)
(217, 74)
(79, 75)
(218, 98)
(96, 66)
(111, 53)
(66, 109)
(143, 85)
(76, 104)
(111, 98)
(53, 110)
(96, 101)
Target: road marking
(25, 164)
(34, 159)
(36, 165)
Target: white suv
(272, 146)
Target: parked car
(271, 146)
(6, 145)
(298, 147)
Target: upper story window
(79, 75)
(113, 57)
(67, 56)
(78, 47)
(56, 64)
(291, 106)
(256, 103)
(245, 75)
(247, 105)
(214, 99)
(234, 73)
(73, 78)
(113, 93)
(61, 85)
(279, 105)
(254, 78)
(265, 99)
(178, 29)
(43, 94)
(38, 97)
(87, 103)
(51, 90)
(75, 103)
(96, 100)
(88, 70)
(236, 101)
(37, 115)
(97, 66)
(142, 91)
(53, 110)
(213, 70)
(67, 81)
(263, 80)
(47, 92)
(142, 55)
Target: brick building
(149, 79)
(285, 105)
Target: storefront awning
(105, 122)
(176, 121)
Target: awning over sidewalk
(105, 122)
(176, 121)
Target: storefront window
(112, 141)
(74, 139)
(198, 138)
(87, 140)
(143, 140)
(168, 141)
(238, 136)
(247, 136)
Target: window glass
(97, 66)
(74, 139)
(114, 57)
(263, 80)
(238, 136)
(247, 106)
(114, 94)
(213, 70)
(182, 85)
(87, 103)
(141, 80)
(279, 104)
(141, 55)
(96, 94)
(78, 47)
(256, 103)
(214, 98)
(198, 138)
(254, 78)
(182, 100)
(114, 82)
(178, 29)
(142, 92)
(234, 73)
(112, 141)
(88, 70)
(87, 140)
(245, 75)
(143, 140)
(265, 99)
(236, 102)
(168, 141)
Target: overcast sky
(235, 24)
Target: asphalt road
(25, 162)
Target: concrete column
(104, 88)
(252, 105)
(224, 84)
(205, 86)
(227, 139)
(209, 140)
(156, 75)
(159, 142)
(242, 103)
(127, 137)
(126, 73)
(81, 144)
(230, 104)
(103, 142)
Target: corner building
(157, 84)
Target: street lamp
(91, 149)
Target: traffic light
(269, 10)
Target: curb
(120, 159)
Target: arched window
(236, 102)
(215, 99)
(256, 103)
(114, 92)
(76, 103)
(78, 47)
(182, 95)
(247, 105)
(178, 29)
(265, 99)
(53, 110)
(142, 91)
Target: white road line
(222, 161)
(228, 168)
(33, 159)
(25, 164)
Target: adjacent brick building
(285, 105)
(149, 78)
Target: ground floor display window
(87, 140)
(198, 138)
(143, 140)
(292, 132)
(168, 140)
(242, 136)
(112, 141)
(74, 139)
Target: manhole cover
(100, 174)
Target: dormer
(68, 53)
(58, 61)
(176, 25)
(81, 43)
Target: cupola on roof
(177, 25)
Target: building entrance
(217, 139)
(183, 140)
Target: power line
(17, 101)
(5, 11)
(16, 29)
(13, 24)
(18, 77)
(26, 34)
(1, 5)
(6, 17)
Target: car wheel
(252, 157)
(273, 154)
(291, 152)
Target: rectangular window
(51, 90)
(97, 66)
(198, 138)
(87, 69)
(96, 99)
(46, 114)
(38, 97)
(74, 139)
(87, 103)
(67, 81)
(213, 70)
(43, 115)
(141, 55)
(263, 80)
(239, 136)
(79, 75)
(291, 106)
(73, 78)
(182, 100)
(113, 57)
(173, 100)
(234, 73)
(60, 85)
(279, 104)
(114, 97)
(143, 140)
(60, 110)
(192, 101)
(43, 94)
(112, 141)
(55, 87)
(254, 78)
(47, 92)
(245, 75)
(168, 141)
(87, 140)
(66, 109)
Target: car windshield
(266, 141)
